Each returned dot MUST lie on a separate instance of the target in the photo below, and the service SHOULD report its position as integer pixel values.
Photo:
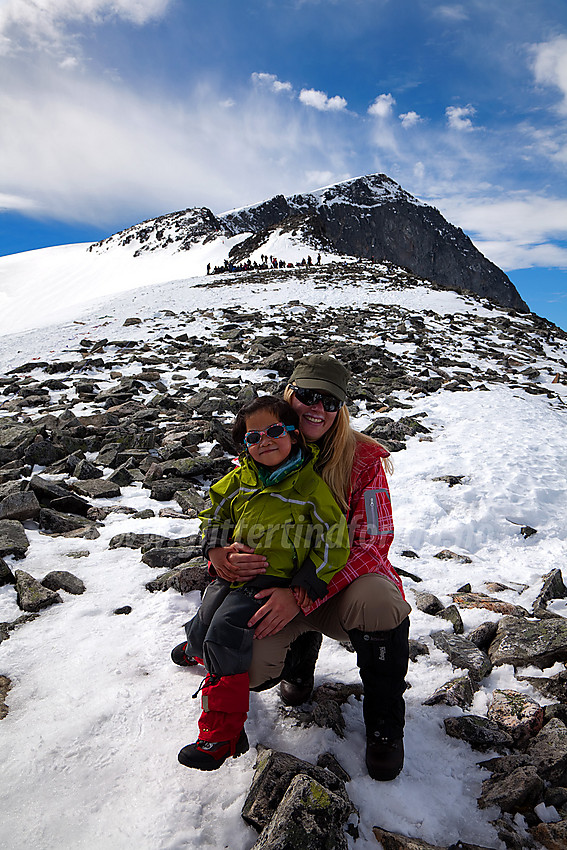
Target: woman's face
(314, 420)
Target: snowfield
(97, 711)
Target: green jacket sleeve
(217, 522)
(330, 544)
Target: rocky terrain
(84, 430)
(368, 217)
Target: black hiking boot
(206, 755)
(178, 656)
(383, 662)
(384, 758)
(299, 668)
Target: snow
(97, 710)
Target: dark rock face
(374, 217)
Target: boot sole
(242, 747)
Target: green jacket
(295, 523)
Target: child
(275, 503)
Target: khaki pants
(371, 603)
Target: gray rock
(451, 613)
(6, 574)
(5, 685)
(554, 687)
(189, 499)
(13, 539)
(448, 555)
(327, 702)
(274, 772)
(427, 602)
(59, 523)
(481, 600)
(481, 733)
(518, 791)
(483, 635)
(551, 835)
(464, 654)
(85, 469)
(63, 580)
(97, 488)
(396, 841)
(31, 595)
(523, 642)
(58, 496)
(20, 506)
(15, 436)
(184, 579)
(328, 761)
(459, 691)
(6, 628)
(553, 588)
(548, 752)
(309, 817)
(136, 541)
(417, 648)
(43, 453)
(170, 557)
(516, 714)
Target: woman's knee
(372, 603)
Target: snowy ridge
(97, 712)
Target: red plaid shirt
(370, 523)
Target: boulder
(184, 579)
(463, 654)
(481, 600)
(274, 772)
(33, 596)
(309, 817)
(523, 642)
(427, 602)
(516, 714)
(20, 506)
(63, 580)
(13, 539)
(97, 488)
(59, 523)
(553, 836)
(459, 691)
(6, 574)
(170, 557)
(518, 791)
(554, 687)
(548, 752)
(482, 734)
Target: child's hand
(301, 596)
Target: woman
(365, 601)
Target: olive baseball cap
(321, 372)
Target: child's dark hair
(282, 411)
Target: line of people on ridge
(266, 262)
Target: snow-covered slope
(97, 710)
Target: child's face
(269, 451)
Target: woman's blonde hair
(338, 447)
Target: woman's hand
(277, 612)
(237, 562)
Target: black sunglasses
(310, 397)
(252, 438)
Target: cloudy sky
(115, 111)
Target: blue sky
(115, 112)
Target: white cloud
(271, 81)
(410, 119)
(44, 21)
(516, 232)
(550, 65)
(382, 106)
(458, 117)
(319, 100)
(451, 13)
(80, 147)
